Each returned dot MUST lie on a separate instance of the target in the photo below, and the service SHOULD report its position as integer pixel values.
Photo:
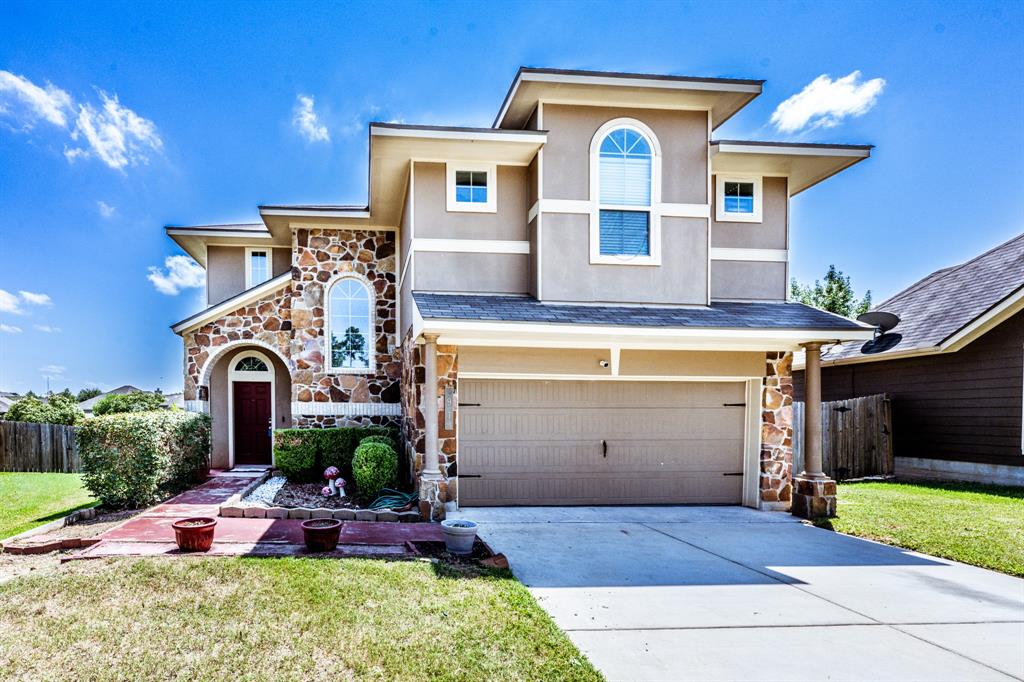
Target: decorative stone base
(433, 492)
(814, 498)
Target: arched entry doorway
(250, 408)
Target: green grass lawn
(976, 524)
(29, 500)
(288, 619)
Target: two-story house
(591, 295)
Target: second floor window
(737, 199)
(625, 194)
(349, 326)
(257, 267)
(472, 187)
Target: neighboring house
(6, 400)
(592, 291)
(954, 368)
(87, 405)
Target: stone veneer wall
(292, 322)
(413, 379)
(777, 431)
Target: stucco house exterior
(585, 303)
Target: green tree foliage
(835, 295)
(136, 401)
(58, 409)
(87, 393)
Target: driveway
(728, 593)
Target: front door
(252, 422)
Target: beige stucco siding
(770, 233)
(282, 261)
(531, 230)
(225, 270)
(567, 274)
(748, 281)
(683, 137)
(500, 273)
(219, 400)
(433, 221)
(582, 362)
(691, 363)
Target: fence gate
(38, 447)
(856, 437)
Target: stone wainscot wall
(777, 432)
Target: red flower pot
(194, 535)
(321, 535)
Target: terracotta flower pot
(194, 535)
(321, 535)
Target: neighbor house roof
(949, 308)
(87, 405)
(715, 316)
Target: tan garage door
(525, 442)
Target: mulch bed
(309, 495)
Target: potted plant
(459, 535)
(195, 534)
(321, 535)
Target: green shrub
(58, 409)
(374, 466)
(295, 454)
(136, 401)
(386, 440)
(329, 447)
(135, 459)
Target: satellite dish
(884, 321)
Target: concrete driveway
(727, 593)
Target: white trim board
(314, 409)
(764, 255)
(470, 245)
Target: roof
(794, 145)
(228, 227)
(937, 309)
(239, 300)
(805, 164)
(753, 315)
(87, 405)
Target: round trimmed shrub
(374, 466)
(386, 440)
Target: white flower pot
(459, 535)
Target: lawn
(29, 500)
(308, 619)
(976, 524)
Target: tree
(835, 295)
(349, 347)
(87, 393)
(136, 401)
(59, 409)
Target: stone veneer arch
(207, 371)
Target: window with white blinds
(625, 181)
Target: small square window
(739, 197)
(471, 187)
(738, 200)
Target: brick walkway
(151, 533)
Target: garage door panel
(540, 442)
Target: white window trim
(654, 225)
(249, 284)
(237, 375)
(371, 369)
(720, 214)
(491, 205)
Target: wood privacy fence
(856, 437)
(38, 447)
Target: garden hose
(392, 499)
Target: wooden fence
(856, 437)
(38, 447)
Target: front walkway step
(115, 548)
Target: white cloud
(46, 329)
(33, 298)
(179, 272)
(115, 133)
(52, 371)
(824, 103)
(106, 210)
(30, 103)
(9, 329)
(307, 122)
(9, 303)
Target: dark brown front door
(252, 422)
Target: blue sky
(119, 118)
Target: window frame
(653, 209)
(489, 206)
(371, 356)
(249, 250)
(722, 216)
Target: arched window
(626, 165)
(349, 325)
(251, 364)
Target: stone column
(814, 494)
(431, 503)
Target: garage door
(600, 442)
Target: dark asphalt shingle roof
(716, 316)
(941, 304)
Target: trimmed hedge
(303, 454)
(374, 466)
(136, 458)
